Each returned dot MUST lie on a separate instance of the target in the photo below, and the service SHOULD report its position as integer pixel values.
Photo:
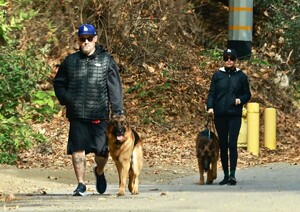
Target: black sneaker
(232, 181)
(100, 182)
(80, 190)
(225, 181)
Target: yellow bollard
(242, 139)
(253, 128)
(270, 128)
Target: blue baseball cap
(231, 52)
(86, 29)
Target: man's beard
(87, 49)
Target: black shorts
(87, 136)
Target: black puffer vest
(86, 92)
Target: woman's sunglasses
(229, 58)
(83, 39)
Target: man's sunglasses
(229, 58)
(83, 39)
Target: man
(87, 83)
(229, 91)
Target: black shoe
(232, 181)
(100, 182)
(225, 181)
(80, 190)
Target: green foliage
(152, 96)
(214, 54)
(9, 23)
(6, 158)
(278, 20)
(21, 100)
(282, 21)
(16, 135)
(42, 106)
(260, 62)
(155, 113)
(135, 88)
(22, 73)
(296, 93)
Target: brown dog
(125, 147)
(207, 151)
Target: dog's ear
(124, 113)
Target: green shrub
(22, 72)
(277, 20)
(21, 100)
(15, 135)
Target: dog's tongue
(120, 137)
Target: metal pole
(240, 27)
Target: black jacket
(225, 87)
(87, 84)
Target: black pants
(228, 128)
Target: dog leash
(210, 124)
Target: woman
(229, 91)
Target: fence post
(253, 128)
(242, 139)
(270, 128)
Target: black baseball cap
(228, 52)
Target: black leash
(210, 124)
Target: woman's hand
(237, 101)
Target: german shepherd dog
(125, 147)
(207, 151)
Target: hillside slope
(167, 58)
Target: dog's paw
(201, 182)
(208, 182)
(121, 193)
(135, 191)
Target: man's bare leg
(79, 165)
